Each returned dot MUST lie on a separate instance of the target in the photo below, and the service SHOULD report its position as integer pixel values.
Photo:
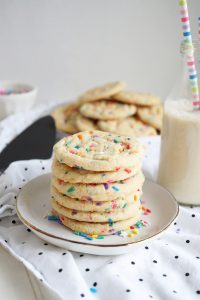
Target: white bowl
(20, 99)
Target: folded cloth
(165, 269)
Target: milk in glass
(179, 169)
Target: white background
(66, 46)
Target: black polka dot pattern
(82, 295)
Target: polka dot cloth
(167, 268)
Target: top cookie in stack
(111, 108)
(97, 182)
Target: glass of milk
(179, 169)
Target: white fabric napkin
(167, 268)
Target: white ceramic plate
(33, 204)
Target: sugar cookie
(98, 151)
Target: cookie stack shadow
(96, 202)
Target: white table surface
(17, 283)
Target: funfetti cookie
(86, 191)
(65, 117)
(101, 191)
(151, 115)
(137, 98)
(102, 92)
(77, 175)
(106, 228)
(83, 123)
(98, 151)
(130, 126)
(100, 206)
(107, 110)
(87, 216)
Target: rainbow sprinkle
(83, 235)
(116, 141)
(106, 186)
(138, 224)
(110, 221)
(93, 290)
(71, 189)
(115, 188)
(88, 236)
(146, 210)
(53, 218)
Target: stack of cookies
(111, 108)
(97, 182)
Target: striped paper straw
(190, 56)
(199, 27)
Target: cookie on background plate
(137, 98)
(77, 175)
(101, 191)
(98, 151)
(84, 124)
(107, 110)
(101, 206)
(102, 92)
(65, 117)
(130, 126)
(151, 115)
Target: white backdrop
(66, 46)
